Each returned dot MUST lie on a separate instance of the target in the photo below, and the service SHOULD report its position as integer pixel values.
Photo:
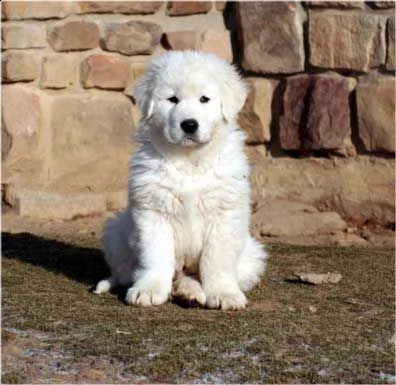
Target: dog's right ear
(143, 95)
(234, 91)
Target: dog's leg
(187, 289)
(153, 276)
(218, 271)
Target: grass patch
(289, 333)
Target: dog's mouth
(191, 140)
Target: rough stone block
(104, 71)
(298, 223)
(376, 113)
(271, 34)
(255, 117)
(88, 132)
(390, 56)
(337, 4)
(220, 5)
(132, 38)
(366, 181)
(44, 205)
(21, 36)
(59, 71)
(18, 66)
(382, 4)
(135, 72)
(181, 40)
(182, 8)
(361, 212)
(18, 10)
(217, 42)
(315, 113)
(17, 98)
(117, 200)
(344, 40)
(22, 119)
(6, 143)
(74, 36)
(125, 7)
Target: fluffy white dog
(186, 229)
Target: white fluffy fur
(188, 193)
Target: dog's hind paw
(188, 290)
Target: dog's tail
(251, 264)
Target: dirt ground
(55, 331)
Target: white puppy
(189, 193)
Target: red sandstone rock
(382, 4)
(357, 40)
(271, 34)
(104, 71)
(38, 204)
(181, 8)
(23, 35)
(376, 113)
(217, 42)
(17, 10)
(132, 38)
(336, 4)
(390, 57)
(136, 71)
(22, 118)
(220, 5)
(315, 113)
(90, 137)
(59, 70)
(181, 40)
(74, 36)
(17, 98)
(126, 7)
(255, 117)
(18, 66)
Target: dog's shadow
(83, 264)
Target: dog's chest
(188, 196)
(194, 201)
(189, 225)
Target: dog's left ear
(234, 91)
(143, 95)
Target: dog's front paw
(146, 296)
(226, 300)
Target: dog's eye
(204, 99)
(173, 99)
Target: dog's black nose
(189, 126)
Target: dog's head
(185, 95)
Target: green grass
(277, 339)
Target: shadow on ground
(83, 264)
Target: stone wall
(319, 118)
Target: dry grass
(290, 333)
